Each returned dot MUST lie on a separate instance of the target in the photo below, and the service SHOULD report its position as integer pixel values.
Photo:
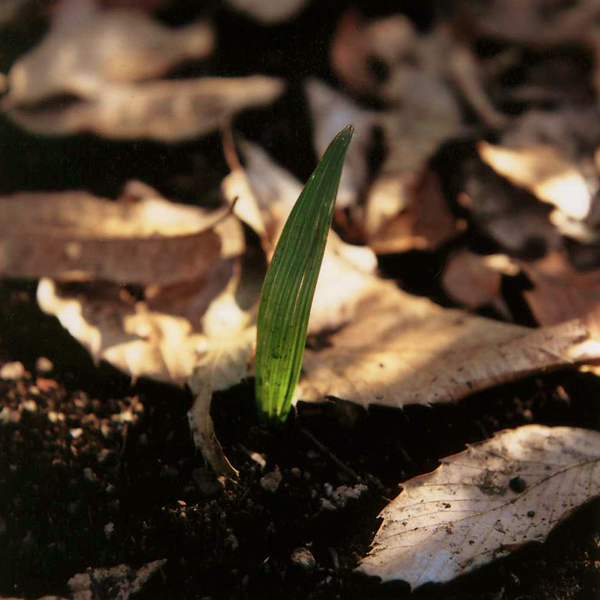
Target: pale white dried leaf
(133, 339)
(474, 280)
(170, 110)
(202, 427)
(105, 48)
(543, 170)
(399, 349)
(331, 111)
(269, 11)
(403, 214)
(77, 236)
(484, 503)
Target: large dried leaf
(116, 46)
(74, 235)
(545, 172)
(533, 22)
(474, 280)
(417, 217)
(331, 111)
(484, 503)
(559, 291)
(160, 345)
(169, 111)
(401, 350)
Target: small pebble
(270, 482)
(89, 474)
(29, 405)
(303, 558)
(43, 365)
(259, 459)
(109, 529)
(12, 371)
(327, 504)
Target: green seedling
(290, 283)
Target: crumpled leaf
(533, 23)
(77, 236)
(421, 222)
(518, 223)
(107, 47)
(331, 111)
(484, 503)
(399, 349)
(559, 291)
(545, 172)
(130, 337)
(269, 11)
(169, 110)
(231, 336)
(475, 280)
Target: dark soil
(95, 472)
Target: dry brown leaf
(356, 44)
(331, 111)
(401, 350)
(424, 223)
(545, 172)
(74, 235)
(159, 345)
(560, 292)
(269, 11)
(169, 111)
(484, 503)
(475, 280)
(135, 340)
(531, 22)
(202, 426)
(106, 48)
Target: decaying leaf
(135, 340)
(545, 172)
(77, 236)
(331, 111)
(230, 340)
(559, 291)
(534, 22)
(202, 427)
(400, 350)
(422, 221)
(475, 280)
(109, 47)
(484, 503)
(169, 110)
(510, 216)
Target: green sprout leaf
(290, 283)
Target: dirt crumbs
(106, 498)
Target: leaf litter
(169, 316)
(484, 503)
